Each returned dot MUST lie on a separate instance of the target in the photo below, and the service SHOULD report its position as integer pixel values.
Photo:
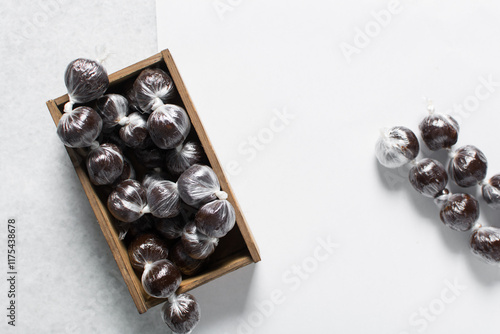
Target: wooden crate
(236, 250)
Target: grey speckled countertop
(68, 281)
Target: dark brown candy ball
(439, 131)
(135, 131)
(186, 264)
(168, 126)
(152, 88)
(428, 177)
(491, 192)
(485, 243)
(105, 164)
(79, 127)
(127, 173)
(396, 146)
(181, 313)
(198, 245)
(163, 199)
(198, 185)
(184, 156)
(113, 109)
(161, 279)
(128, 201)
(146, 249)
(460, 212)
(215, 219)
(468, 166)
(170, 228)
(85, 80)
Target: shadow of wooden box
(236, 250)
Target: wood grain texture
(233, 261)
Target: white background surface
(317, 177)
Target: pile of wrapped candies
(467, 167)
(172, 213)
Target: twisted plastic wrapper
(199, 185)
(491, 192)
(152, 88)
(198, 245)
(128, 201)
(168, 126)
(428, 177)
(439, 131)
(181, 313)
(396, 147)
(485, 243)
(146, 248)
(163, 198)
(161, 279)
(79, 127)
(86, 80)
(460, 212)
(468, 166)
(215, 219)
(134, 131)
(113, 109)
(105, 164)
(184, 156)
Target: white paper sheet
(292, 95)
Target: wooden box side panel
(117, 248)
(212, 157)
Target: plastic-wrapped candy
(163, 198)
(127, 173)
(460, 212)
(485, 243)
(152, 88)
(439, 131)
(86, 80)
(146, 248)
(428, 177)
(468, 166)
(153, 176)
(151, 157)
(396, 147)
(105, 164)
(168, 126)
(184, 156)
(198, 245)
(215, 219)
(128, 201)
(132, 102)
(491, 191)
(181, 313)
(113, 109)
(161, 279)
(134, 131)
(79, 127)
(170, 228)
(186, 264)
(199, 185)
